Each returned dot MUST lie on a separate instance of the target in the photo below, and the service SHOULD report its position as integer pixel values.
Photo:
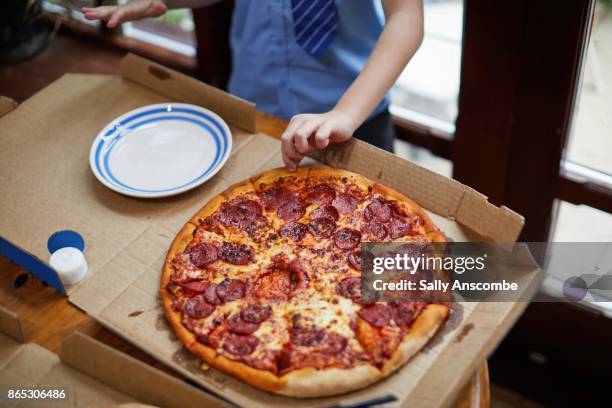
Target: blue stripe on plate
(219, 153)
(127, 120)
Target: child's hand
(134, 10)
(309, 132)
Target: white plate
(160, 150)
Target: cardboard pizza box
(47, 186)
(90, 373)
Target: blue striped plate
(160, 150)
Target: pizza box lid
(47, 138)
(91, 373)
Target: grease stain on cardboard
(455, 317)
(464, 332)
(136, 313)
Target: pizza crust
(259, 378)
(302, 383)
(270, 176)
(309, 382)
(181, 241)
(364, 183)
(238, 189)
(423, 329)
(305, 382)
(212, 206)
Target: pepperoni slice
(354, 260)
(350, 288)
(377, 315)
(231, 289)
(240, 326)
(378, 210)
(251, 206)
(211, 295)
(201, 255)
(198, 286)
(256, 313)
(326, 212)
(294, 230)
(345, 203)
(274, 197)
(236, 254)
(398, 228)
(197, 307)
(334, 343)
(347, 238)
(240, 345)
(321, 194)
(307, 336)
(377, 230)
(291, 211)
(235, 216)
(322, 227)
(405, 313)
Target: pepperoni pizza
(264, 282)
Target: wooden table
(48, 318)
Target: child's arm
(400, 39)
(137, 9)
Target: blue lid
(63, 239)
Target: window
(581, 223)
(590, 143)
(174, 31)
(588, 153)
(427, 90)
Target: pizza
(263, 283)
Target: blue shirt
(274, 71)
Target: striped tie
(315, 24)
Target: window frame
(520, 72)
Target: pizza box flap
(180, 87)
(92, 373)
(10, 325)
(440, 195)
(48, 139)
(131, 376)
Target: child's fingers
(291, 157)
(292, 163)
(303, 133)
(287, 137)
(322, 135)
(292, 160)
